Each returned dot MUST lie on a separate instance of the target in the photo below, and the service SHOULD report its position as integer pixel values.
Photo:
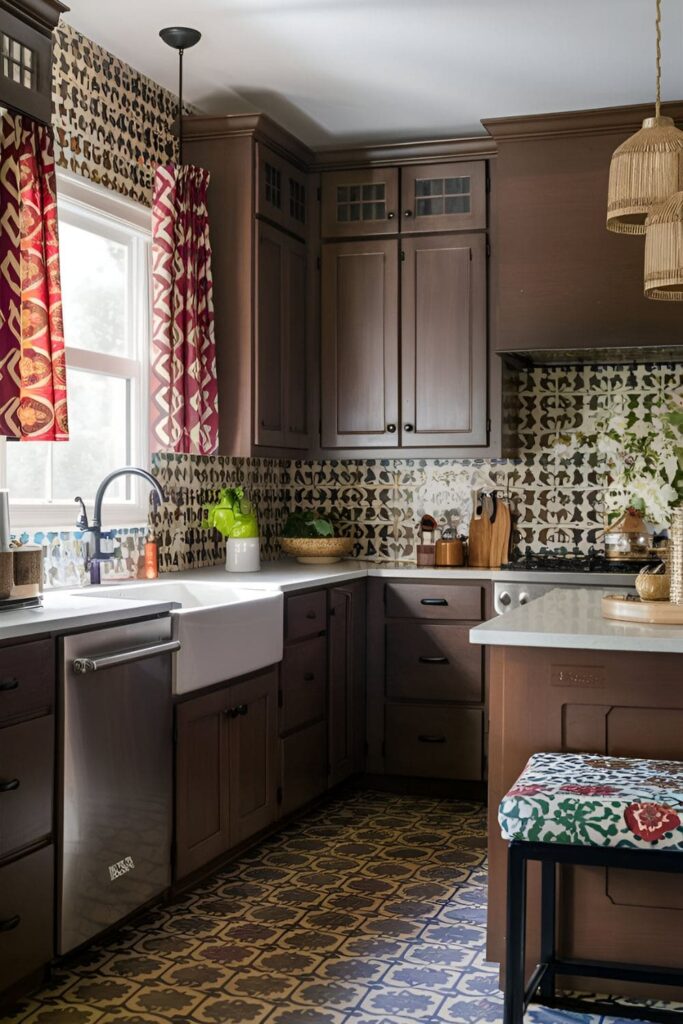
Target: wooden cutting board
(479, 543)
(615, 606)
(500, 535)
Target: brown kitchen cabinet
(562, 283)
(346, 702)
(226, 768)
(281, 412)
(27, 781)
(444, 197)
(264, 229)
(359, 202)
(426, 689)
(443, 341)
(360, 346)
(26, 68)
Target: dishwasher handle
(83, 666)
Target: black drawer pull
(431, 739)
(435, 660)
(440, 602)
(311, 615)
(231, 712)
(243, 709)
(10, 923)
(7, 787)
(9, 684)
(309, 677)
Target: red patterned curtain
(32, 361)
(184, 390)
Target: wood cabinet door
(444, 350)
(281, 413)
(202, 777)
(282, 193)
(443, 197)
(304, 766)
(359, 333)
(357, 203)
(253, 754)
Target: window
(105, 265)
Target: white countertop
(64, 611)
(573, 618)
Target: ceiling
(341, 71)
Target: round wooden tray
(616, 606)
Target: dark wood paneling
(26, 893)
(271, 312)
(360, 344)
(443, 341)
(298, 375)
(435, 600)
(27, 761)
(332, 227)
(434, 740)
(342, 685)
(253, 755)
(27, 680)
(433, 662)
(412, 179)
(305, 614)
(304, 684)
(304, 766)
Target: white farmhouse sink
(225, 630)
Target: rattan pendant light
(645, 170)
(664, 250)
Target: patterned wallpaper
(112, 124)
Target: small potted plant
(313, 537)
(234, 517)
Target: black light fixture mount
(181, 39)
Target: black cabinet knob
(391, 428)
(407, 213)
(408, 428)
(9, 785)
(9, 684)
(10, 923)
(391, 215)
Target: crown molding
(259, 126)
(42, 15)
(420, 151)
(602, 120)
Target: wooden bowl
(317, 550)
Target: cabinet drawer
(435, 601)
(26, 783)
(303, 681)
(434, 741)
(305, 615)
(304, 766)
(27, 677)
(433, 662)
(26, 910)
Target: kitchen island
(565, 679)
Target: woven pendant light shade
(664, 251)
(645, 170)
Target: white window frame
(120, 218)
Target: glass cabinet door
(443, 197)
(358, 203)
(282, 195)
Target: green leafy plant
(232, 515)
(312, 523)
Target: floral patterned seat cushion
(593, 800)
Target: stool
(585, 809)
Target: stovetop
(595, 561)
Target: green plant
(312, 523)
(232, 515)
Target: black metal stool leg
(548, 897)
(513, 1012)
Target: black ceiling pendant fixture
(180, 39)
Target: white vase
(243, 555)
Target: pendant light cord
(658, 27)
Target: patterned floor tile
(371, 910)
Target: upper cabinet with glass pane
(26, 56)
(356, 203)
(282, 195)
(444, 197)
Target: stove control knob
(524, 598)
(505, 599)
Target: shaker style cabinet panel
(281, 414)
(443, 197)
(363, 202)
(253, 754)
(359, 358)
(443, 339)
(27, 909)
(282, 193)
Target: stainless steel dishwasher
(116, 798)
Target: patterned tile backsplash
(556, 505)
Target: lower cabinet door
(253, 755)
(434, 741)
(26, 915)
(304, 766)
(27, 774)
(202, 780)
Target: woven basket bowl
(317, 550)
